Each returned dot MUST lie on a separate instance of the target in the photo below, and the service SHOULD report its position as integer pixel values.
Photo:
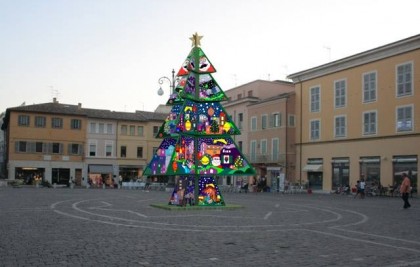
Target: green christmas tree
(197, 145)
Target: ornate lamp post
(171, 83)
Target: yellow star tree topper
(196, 40)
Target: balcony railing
(266, 158)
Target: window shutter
(31, 147)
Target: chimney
(55, 101)
(79, 106)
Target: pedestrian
(405, 189)
(362, 188)
(357, 188)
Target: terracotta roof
(77, 110)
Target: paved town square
(111, 227)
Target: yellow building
(356, 118)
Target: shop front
(407, 165)
(60, 176)
(314, 170)
(101, 175)
(131, 172)
(30, 175)
(341, 173)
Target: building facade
(357, 118)
(56, 142)
(264, 113)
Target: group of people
(405, 189)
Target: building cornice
(379, 53)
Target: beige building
(357, 118)
(55, 142)
(136, 142)
(264, 113)
(45, 142)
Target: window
(264, 121)
(405, 119)
(140, 130)
(292, 120)
(250, 93)
(340, 93)
(404, 79)
(369, 87)
(253, 123)
(101, 127)
(240, 120)
(155, 130)
(132, 130)
(21, 146)
(253, 152)
(124, 129)
(92, 149)
(76, 124)
(108, 150)
(315, 129)
(39, 147)
(315, 99)
(75, 149)
(92, 127)
(275, 120)
(263, 147)
(123, 151)
(23, 120)
(239, 96)
(139, 152)
(369, 122)
(340, 126)
(56, 148)
(109, 128)
(40, 121)
(240, 145)
(57, 123)
(275, 149)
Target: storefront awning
(101, 169)
(312, 168)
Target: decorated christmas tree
(197, 145)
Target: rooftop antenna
(54, 92)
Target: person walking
(362, 188)
(357, 188)
(405, 189)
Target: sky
(110, 54)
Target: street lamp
(171, 83)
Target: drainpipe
(286, 150)
(300, 133)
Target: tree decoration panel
(202, 87)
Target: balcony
(266, 158)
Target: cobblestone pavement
(96, 227)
